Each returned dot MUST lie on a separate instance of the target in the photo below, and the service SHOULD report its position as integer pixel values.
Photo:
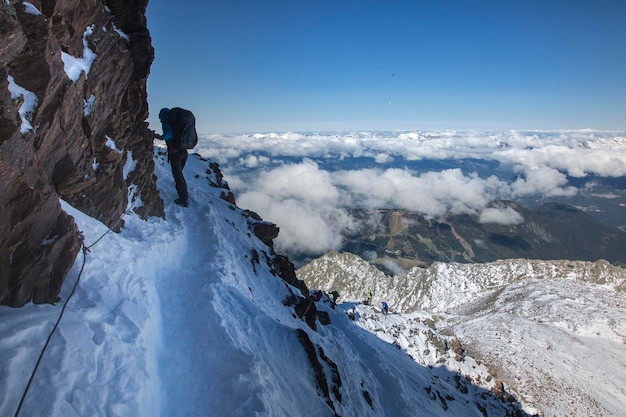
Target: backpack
(183, 125)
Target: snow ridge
(553, 331)
(445, 286)
(177, 316)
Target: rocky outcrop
(280, 264)
(73, 113)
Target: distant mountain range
(551, 231)
(445, 286)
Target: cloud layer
(305, 183)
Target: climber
(385, 308)
(173, 122)
(369, 297)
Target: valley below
(397, 240)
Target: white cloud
(303, 182)
(369, 255)
(253, 161)
(393, 266)
(383, 158)
(576, 162)
(304, 203)
(304, 228)
(501, 215)
(310, 205)
(309, 201)
(577, 153)
(432, 193)
(543, 181)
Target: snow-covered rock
(553, 331)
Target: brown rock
(68, 153)
(265, 231)
(455, 345)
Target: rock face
(73, 106)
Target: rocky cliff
(73, 107)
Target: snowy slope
(176, 317)
(555, 332)
(560, 343)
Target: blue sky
(275, 66)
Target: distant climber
(385, 308)
(179, 133)
(368, 300)
(335, 295)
